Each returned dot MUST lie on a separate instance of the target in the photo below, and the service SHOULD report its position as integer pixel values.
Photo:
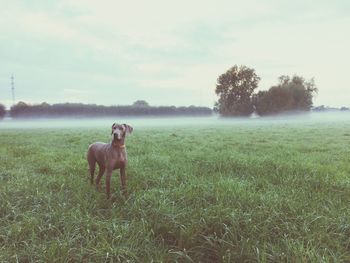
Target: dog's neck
(118, 145)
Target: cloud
(145, 49)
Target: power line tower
(13, 89)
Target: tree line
(139, 108)
(236, 87)
(2, 111)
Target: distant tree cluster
(23, 110)
(290, 94)
(236, 87)
(141, 104)
(2, 111)
(323, 108)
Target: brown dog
(110, 156)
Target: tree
(275, 100)
(235, 89)
(302, 90)
(2, 111)
(140, 104)
(21, 108)
(290, 94)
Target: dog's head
(119, 131)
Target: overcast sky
(168, 52)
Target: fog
(176, 122)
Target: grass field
(239, 193)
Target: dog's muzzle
(116, 137)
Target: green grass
(249, 193)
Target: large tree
(235, 88)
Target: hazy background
(330, 119)
(168, 52)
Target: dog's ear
(112, 128)
(128, 128)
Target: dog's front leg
(99, 176)
(108, 183)
(123, 180)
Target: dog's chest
(119, 160)
(119, 164)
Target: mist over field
(149, 122)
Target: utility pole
(13, 89)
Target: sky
(168, 52)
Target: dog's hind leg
(92, 166)
(99, 176)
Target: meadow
(246, 192)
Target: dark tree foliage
(140, 103)
(2, 111)
(23, 110)
(290, 94)
(235, 88)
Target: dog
(109, 157)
